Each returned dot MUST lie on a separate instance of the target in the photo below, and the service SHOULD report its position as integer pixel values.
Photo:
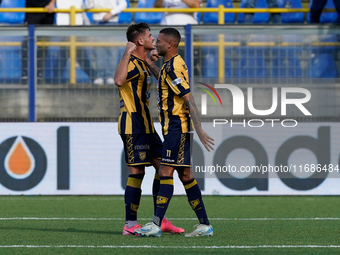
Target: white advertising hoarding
(86, 159)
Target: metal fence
(259, 56)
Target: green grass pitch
(242, 225)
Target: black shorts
(139, 149)
(176, 150)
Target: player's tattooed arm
(206, 140)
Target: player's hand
(130, 47)
(154, 55)
(206, 140)
(107, 16)
(49, 8)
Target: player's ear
(138, 41)
(170, 44)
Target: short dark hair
(135, 30)
(172, 32)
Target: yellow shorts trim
(175, 165)
(140, 164)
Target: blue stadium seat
(326, 17)
(212, 17)
(258, 17)
(125, 17)
(322, 66)
(199, 17)
(12, 17)
(251, 63)
(210, 64)
(148, 17)
(293, 17)
(10, 61)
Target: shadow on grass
(68, 230)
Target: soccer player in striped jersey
(142, 145)
(177, 108)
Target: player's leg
(196, 202)
(166, 225)
(136, 150)
(156, 183)
(132, 197)
(166, 189)
(172, 156)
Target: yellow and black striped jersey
(135, 117)
(173, 85)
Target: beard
(160, 52)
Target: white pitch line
(172, 247)
(213, 219)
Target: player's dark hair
(172, 32)
(136, 30)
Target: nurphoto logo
(238, 104)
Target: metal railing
(221, 10)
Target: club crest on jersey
(142, 155)
(168, 67)
(161, 200)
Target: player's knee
(185, 177)
(136, 170)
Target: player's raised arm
(122, 68)
(206, 140)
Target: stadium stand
(285, 59)
(326, 17)
(210, 58)
(212, 17)
(10, 61)
(148, 17)
(258, 17)
(293, 17)
(251, 63)
(125, 17)
(12, 17)
(210, 64)
(321, 63)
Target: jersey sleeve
(132, 71)
(178, 81)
